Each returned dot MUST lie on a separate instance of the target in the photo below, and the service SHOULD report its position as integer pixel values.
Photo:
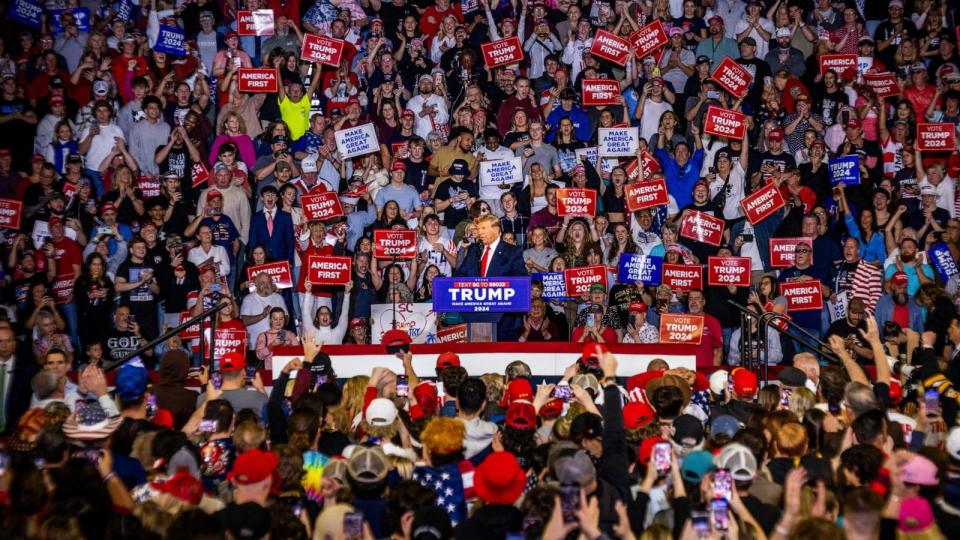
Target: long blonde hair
(242, 128)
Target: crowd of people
(141, 184)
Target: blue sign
(844, 169)
(81, 17)
(941, 259)
(124, 10)
(473, 295)
(554, 286)
(171, 40)
(26, 12)
(639, 269)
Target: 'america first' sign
(472, 295)
(329, 270)
(845, 65)
(502, 52)
(357, 141)
(258, 80)
(646, 194)
(599, 92)
(321, 49)
(762, 203)
(610, 47)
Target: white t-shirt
(650, 121)
(254, 304)
(734, 188)
(492, 193)
(763, 45)
(101, 145)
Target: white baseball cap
(953, 443)
(718, 381)
(381, 412)
(739, 460)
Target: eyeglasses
(803, 250)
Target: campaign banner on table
(599, 92)
(802, 295)
(844, 169)
(255, 23)
(26, 12)
(554, 285)
(502, 52)
(649, 38)
(11, 214)
(329, 269)
(725, 123)
(192, 331)
(633, 268)
(226, 340)
(576, 202)
(63, 288)
(648, 164)
(618, 141)
(733, 77)
(884, 85)
(323, 49)
(278, 271)
(81, 18)
(321, 205)
(499, 172)
(723, 271)
(681, 328)
(149, 187)
(603, 165)
(646, 194)
(610, 47)
(579, 280)
(682, 277)
(357, 141)
(419, 321)
(390, 244)
(936, 136)
(452, 334)
(702, 227)
(258, 80)
(844, 64)
(941, 259)
(781, 250)
(171, 40)
(762, 203)
(476, 294)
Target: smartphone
(403, 387)
(250, 373)
(591, 320)
(701, 521)
(712, 170)
(746, 238)
(151, 405)
(785, 397)
(3, 462)
(713, 94)
(321, 379)
(215, 287)
(721, 516)
(216, 379)
(569, 503)
(662, 457)
(207, 426)
(353, 525)
(90, 454)
(722, 484)
(931, 401)
(394, 349)
(131, 318)
(563, 391)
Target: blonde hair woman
(233, 128)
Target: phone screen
(931, 401)
(722, 484)
(563, 391)
(403, 387)
(721, 517)
(662, 456)
(701, 521)
(216, 379)
(569, 503)
(353, 525)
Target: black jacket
(18, 397)
(491, 522)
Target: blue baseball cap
(460, 167)
(131, 382)
(696, 465)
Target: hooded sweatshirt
(479, 436)
(170, 391)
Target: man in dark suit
(17, 368)
(272, 227)
(492, 257)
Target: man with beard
(804, 270)
(717, 46)
(849, 329)
(916, 267)
(431, 109)
(898, 306)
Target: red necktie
(483, 261)
(270, 223)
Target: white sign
(357, 141)
(606, 165)
(41, 233)
(496, 172)
(618, 141)
(417, 320)
(864, 63)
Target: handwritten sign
(357, 141)
(884, 85)
(576, 202)
(329, 270)
(599, 92)
(762, 203)
(802, 295)
(681, 328)
(323, 49)
(258, 80)
(502, 52)
(554, 285)
(633, 268)
(389, 244)
(171, 40)
(702, 227)
(278, 271)
(781, 251)
(321, 205)
(610, 47)
(733, 77)
(724, 271)
(646, 194)
(618, 141)
(725, 123)
(649, 38)
(255, 23)
(579, 280)
(498, 172)
(682, 277)
(936, 136)
(845, 65)
(11, 214)
(844, 169)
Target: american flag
(452, 483)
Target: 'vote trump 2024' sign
(472, 295)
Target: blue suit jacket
(281, 243)
(507, 262)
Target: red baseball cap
(214, 194)
(640, 380)
(231, 34)
(398, 165)
(395, 337)
(108, 207)
(427, 396)
(53, 220)
(56, 100)
(637, 414)
(899, 278)
(592, 353)
(775, 134)
(521, 415)
(183, 486)
(232, 361)
(744, 382)
(517, 389)
(853, 123)
(253, 466)
(448, 359)
(552, 409)
(637, 307)
(407, 113)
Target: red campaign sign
(69, 190)
(733, 77)
(781, 251)
(329, 270)
(681, 328)
(11, 213)
(884, 85)
(682, 277)
(63, 288)
(802, 295)
(725, 123)
(579, 280)
(389, 244)
(452, 334)
(199, 174)
(149, 187)
(576, 202)
(646, 194)
(762, 203)
(227, 340)
(247, 22)
(323, 49)
(649, 38)
(610, 47)
(936, 136)
(599, 92)
(400, 150)
(321, 205)
(650, 166)
(502, 52)
(702, 228)
(258, 80)
(278, 271)
(844, 64)
(192, 331)
(723, 271)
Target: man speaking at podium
(492, 257)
